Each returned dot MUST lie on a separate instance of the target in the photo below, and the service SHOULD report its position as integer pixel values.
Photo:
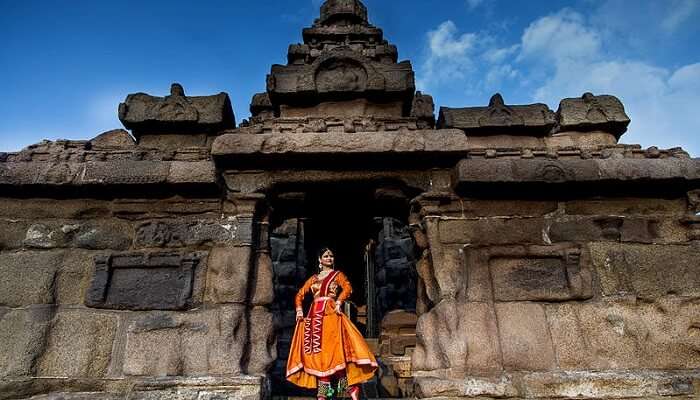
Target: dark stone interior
(353, 219)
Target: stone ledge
(440, 141)
(174, 388)
(643, 384)
(470, 171)
(122, 172)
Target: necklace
(324, 274)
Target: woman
(326, 347)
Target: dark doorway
(366, 227)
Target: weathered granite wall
(559, 298)
(132, 287)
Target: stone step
(313, 398)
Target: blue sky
(65, 65)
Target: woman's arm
(344, 283)
(300, 297)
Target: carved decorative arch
(342, 71)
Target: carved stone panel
(340, 72)
(338, 75)
(499, 118)
(423, 108)
(592, 113)
(533, 273)
(177, 113)
(143, 281)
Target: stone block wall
(586, 299)
(132, 298)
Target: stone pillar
(244, 276)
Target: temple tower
(501, 252)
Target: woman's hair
(322, 250)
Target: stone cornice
(118, 172)
(613, 170)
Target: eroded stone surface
(442, 269)
(525, 337)
(263, 281)
(626, 336)
(163, 233)
(227, 275)
(23, 335)
(28, 278)
(647, 271)
(93, 235)
(486, 231)
(458, 336)
(262, 349)
(79, 345)
(171, 344)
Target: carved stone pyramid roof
(343, 57)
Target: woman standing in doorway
(327, 350)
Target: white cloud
(679, 12)
(559, 37)
(686, 78)
(660, 102)
(445, 43)
(608, 77)
(449, 56)
(564, 55)
(498, 74)
(498, 55)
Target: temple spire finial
(343, 12)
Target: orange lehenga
(326, 343)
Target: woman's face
(326, 259)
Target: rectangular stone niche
(537, 273)
(143, 281)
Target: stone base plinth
(170, 388)
(564, 385)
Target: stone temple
(498, 251)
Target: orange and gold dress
(325, 343)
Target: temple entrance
(367, 228)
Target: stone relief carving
(591, 113)
(143, 281)
(176, 113)
(423, 108)
(535, 274)
(176, 107)
(341, 75)
(531, 119)
(498, 114)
